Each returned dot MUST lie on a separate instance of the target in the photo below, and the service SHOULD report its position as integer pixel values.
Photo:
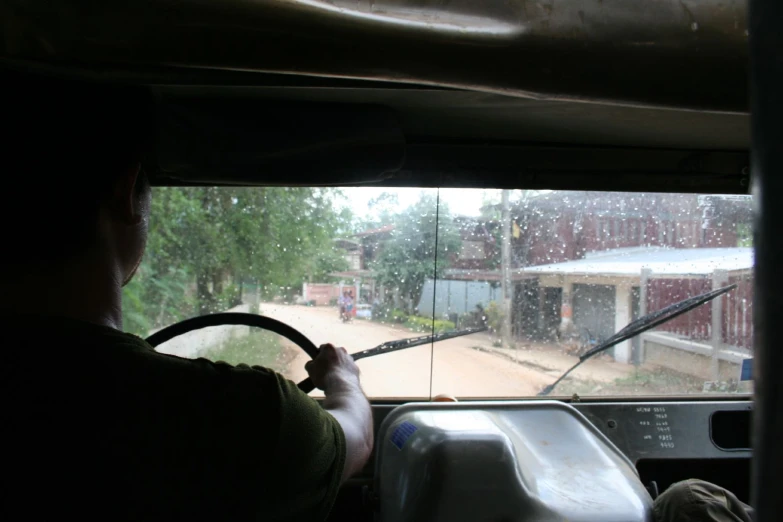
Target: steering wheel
(239, 318)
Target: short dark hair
(67, 141)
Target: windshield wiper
(402, 344)
(392, 346)
(641, 325)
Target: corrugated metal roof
(373, 231)
(630, 262)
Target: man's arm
(336, 373)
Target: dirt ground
(464, 367)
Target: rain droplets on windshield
(549, 273)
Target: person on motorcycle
(341, 303)
(349, 305)
(99, 426)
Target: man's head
(73, 178)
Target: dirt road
(466, 367)
(456, 368)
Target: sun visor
(242, 141)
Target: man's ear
(126, 206)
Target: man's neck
(86, 290)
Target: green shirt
(103, 427)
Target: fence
(736, 309)
(456, 297)
(738, 313)
(322, 294)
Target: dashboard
(660, 442)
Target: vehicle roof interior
(581, 95)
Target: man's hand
(333, 369)
(336, 373)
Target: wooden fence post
(719, 279)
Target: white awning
(661, 261)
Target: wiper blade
(393, 346)
(641, 325)
(402, 344)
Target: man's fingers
(329, 350)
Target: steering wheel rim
(239, 319)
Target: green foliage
(257, 348)
(382, 211)
(326, 261)
(153, 299)
(398, 316)
(385, 313)
(426, 324)
(744, 235)
(206, 243)
(410, 256)
(416, 323)
(495, 316)
(133, 317)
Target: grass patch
(660, 381)
(257, 348)
(656, 381)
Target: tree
(411, 256)
(207, 243)
(382, 211)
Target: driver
(98, 426)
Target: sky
(461, 202)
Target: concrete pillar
(304, 291)
(622, 316)
(567, 308)
(505, 269)
(540, 323)
(639, 348)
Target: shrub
(495, 316)
(386, 314)
(398, 316)
(425, 324)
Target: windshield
(551, 274)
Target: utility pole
(505, 269)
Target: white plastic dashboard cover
(502, 461)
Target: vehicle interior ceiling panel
(529, 86)
(594, 50)
(574, 94)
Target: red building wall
(558, 229)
